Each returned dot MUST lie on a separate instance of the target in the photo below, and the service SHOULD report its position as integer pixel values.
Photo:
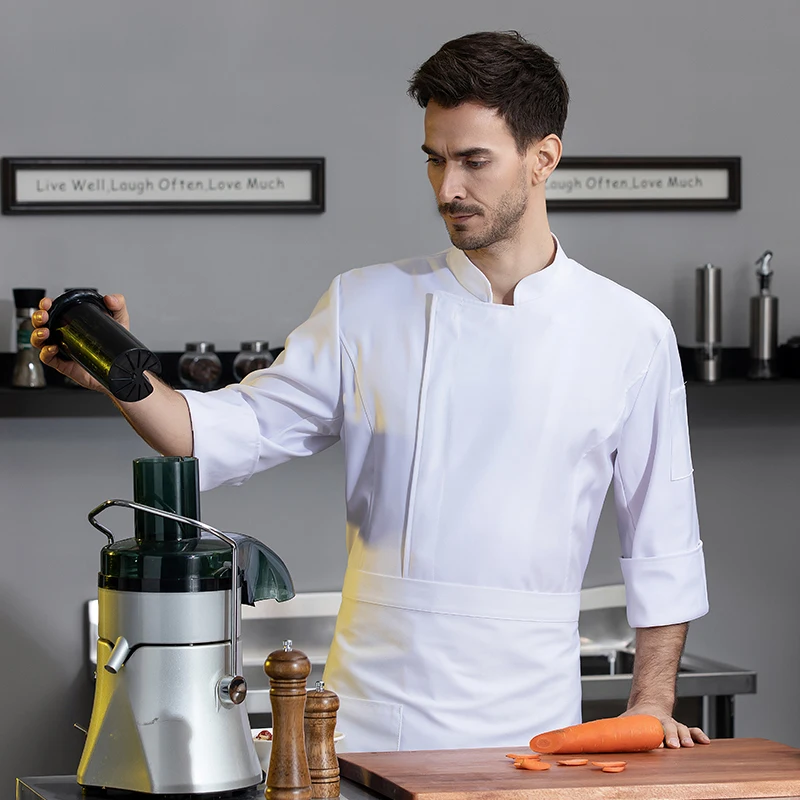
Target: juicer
(169, 716)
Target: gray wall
(308, 78)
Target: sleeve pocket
(680, 456)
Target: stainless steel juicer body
(159, 724)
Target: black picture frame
(731, 200)
(216, 201)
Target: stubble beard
(509, 211)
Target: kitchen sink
(611, 663)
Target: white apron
(466, 662)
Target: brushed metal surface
(763, 327)
(708, 305)
(158, 725)
(163, 618)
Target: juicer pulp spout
(116, 658)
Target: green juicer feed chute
(169, 664)
(170, 556)
(170, 484)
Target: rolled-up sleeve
(662, 560)
(291, 409)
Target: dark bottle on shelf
(28, 370)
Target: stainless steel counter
(696, 677)
(65, 787)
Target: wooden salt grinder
(320, 724)
(288, 777)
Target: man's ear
(544, 157)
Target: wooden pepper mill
(288, 777)
(320, 724)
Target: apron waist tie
(459, 599)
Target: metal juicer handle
(234, 613)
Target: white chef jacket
(480, 442)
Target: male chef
(486, 396)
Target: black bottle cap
(28, 298)
(71, 298)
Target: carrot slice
(532, 764)
(609, 763)
(613, 769)
(573, 762)
(610, 735)
(527, 755)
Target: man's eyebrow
(468, 153)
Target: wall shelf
(54, 401)
(732, 401)
(60, 400)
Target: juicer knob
(232, 691)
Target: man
(486, 397)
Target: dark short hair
(500, 70)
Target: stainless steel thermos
(708, 323)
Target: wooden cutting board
(727, 768)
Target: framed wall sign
(691, 183)
(134, 185)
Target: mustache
(457, 209)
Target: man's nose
(451, 187)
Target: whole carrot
(613, 735)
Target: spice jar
(252, 356)
(199, 367)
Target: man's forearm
(655, 667)
(162, 419)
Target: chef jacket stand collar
(529, 288)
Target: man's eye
(476, 164)
(435, 161)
